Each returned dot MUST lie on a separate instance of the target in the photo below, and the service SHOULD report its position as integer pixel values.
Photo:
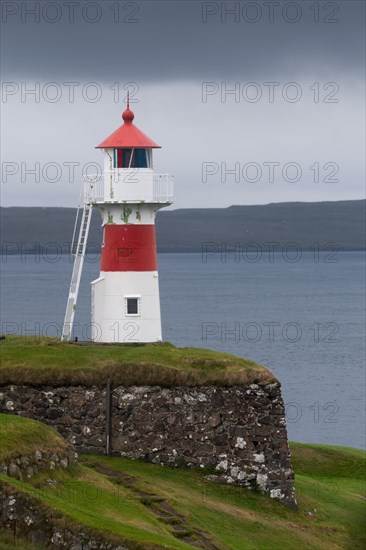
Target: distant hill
(186, 230)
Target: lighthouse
(125, 303)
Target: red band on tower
(129, 248)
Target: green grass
(121, 499)
(40, 360)
(21, 436)
(326, 461)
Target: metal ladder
(77, 268)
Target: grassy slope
(328, 479)
(48, 361)
(234, 519)
(20, 436)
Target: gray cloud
(169, 40)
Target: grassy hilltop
(149, 506)
(41, 360)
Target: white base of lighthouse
(126, 307)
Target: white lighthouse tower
(125, 297)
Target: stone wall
(238, 433)
(24, 467)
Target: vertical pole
(108, 416)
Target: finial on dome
(127, 115)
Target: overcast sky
(292, 130)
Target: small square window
(132, 306)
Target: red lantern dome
(128, 135)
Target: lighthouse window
(130, 158)
(118, 163)
(127, 162)
(132, 306)
(141, 160)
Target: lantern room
(128, 168)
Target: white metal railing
(163, 188)
(93, 188)
(128, 186)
